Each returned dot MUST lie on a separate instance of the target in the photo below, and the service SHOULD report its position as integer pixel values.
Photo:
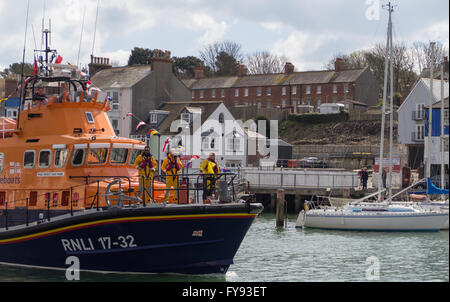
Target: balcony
(417, 136)
(418, 115)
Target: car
(312, 162)
(436, 180)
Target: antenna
(50, 31)
(95, 28)
(81, 38)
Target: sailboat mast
(430, 113)
(391, 113)
(442, 127)
(383, 107)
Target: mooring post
(281, 203)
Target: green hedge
(317, 118)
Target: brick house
(287, 89)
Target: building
(11, 108)
(411, 118)
(137, 89)
(435, 151)
(200, 128)
(288, 89)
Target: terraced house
(288, 89)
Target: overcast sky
(308, 32)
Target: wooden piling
(281, 203)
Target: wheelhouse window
(97, 156)
(90, 117)
(78, 157)
(134, 154)
(2, 161)
(28, 159)
(45, 158)
(119, 155)
(61, 156)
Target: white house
(411, 118)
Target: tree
(263, 62)
(422, 54)
(226, 65)
(210, 53)
(140, 56)
(184, 66)
(356, 59)
(16, 68)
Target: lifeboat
(69, 190)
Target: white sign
(50, 174)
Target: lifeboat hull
(188, 239)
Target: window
(420, 135)
(269, 91)
(236, 92)
(319, 89)
(445, 116)
(202, 94)
(153, 118)
(346, 88)
(45, 159)
(258, 91)
(258, 105)
(445, 144)
(246, 92)
(334, 100)
(61, 156)
(97, 156)
(134, 154)
(115, 101)
(119, 155)
(236, 104)
(78, 157)
(193, 94)
(205, 143)
(283, 103)
(283, 90)
(334, 88)
(318, 101)
(28, 159)
(269, 104)
(213, 144)
(308, 89)
(90, 117)
(294, 89)
(234, 144)
(221, 118)
(213, 93)
(222, 93)
(2, 161)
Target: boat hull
(191, 239)
(373, 221)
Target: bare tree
(210, 53)
(356, 59)
(263, 62)
(422, 54)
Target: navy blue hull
(182, 239)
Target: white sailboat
(380, 216)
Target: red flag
(139, 125)
(35, 68)
(59, 59)
(166, 143)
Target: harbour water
(303, 255)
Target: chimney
(242, 71)
(160, 56)
(98, 64)
(288, 68)
(339, 64)
(198, 72)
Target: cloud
(273, 26)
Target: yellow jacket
(147, 171)
(207, 167)
(168, 166)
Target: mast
(430, 114)
(391, 113)
(383, 108)
(442, 127)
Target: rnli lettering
(102, 243)
(50, 174)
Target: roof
(273, 79)
(175, 109)
(12, 102)
(120, 77)
(438, 104)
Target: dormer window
(153, 118)
(186, 117)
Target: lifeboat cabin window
(61, 156)
(45, 158)
(78, 155)
(97, 154)
(28, 159)
(135, 153)
(2, 161)
(119, 155)
(90, 117)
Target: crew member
(39, 96)
(146, 165)
(172, 167)
(211, 169)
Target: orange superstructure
(63, 154)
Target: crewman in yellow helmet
(172, 167)
(210, 168)
(146, 165)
